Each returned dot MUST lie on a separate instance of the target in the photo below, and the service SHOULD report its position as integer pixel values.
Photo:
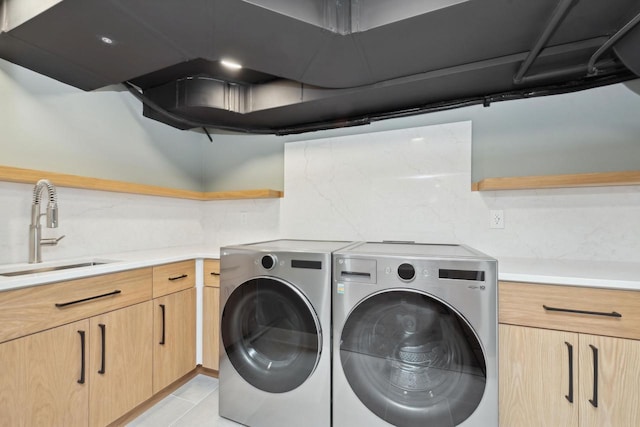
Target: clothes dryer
(415, 336)
(275, 359)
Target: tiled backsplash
(414, 184)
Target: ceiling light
(106, 40)
(231, 64)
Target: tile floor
(192, 405)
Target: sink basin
(48, 268)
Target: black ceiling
(314, 64)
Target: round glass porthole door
(271, 334)
(412, 360)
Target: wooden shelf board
(31, 176)
(596, 179)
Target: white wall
(408, 184)
(51, 126)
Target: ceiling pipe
(557, 17)
(487, 100)
(578, 70)
(591, 67)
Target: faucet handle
(51, 242)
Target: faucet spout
(35, 239)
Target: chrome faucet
(35, 236)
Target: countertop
(112, 263)
(615, 275)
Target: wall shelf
(31, 176)
(598, 179)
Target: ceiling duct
(316, 64)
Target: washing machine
(275, 358)
(415, 336)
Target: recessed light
(231, 64)
(106, 40)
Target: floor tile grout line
(157, 406)
(199, 400)
(174, 423)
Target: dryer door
(271, 334)
(412, 359)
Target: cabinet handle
(64, 304)
(163, 323)
(213, 273)
(592, 313)
(594, 401)
(570, 352)
(82, 357)
(103, 330)
(178, 277)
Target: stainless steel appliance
(415, 336)
(275, 363)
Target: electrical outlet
(496, 219)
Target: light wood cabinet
(534, 377)
(618, 382)
(34, 309)
(174, 277)
(89, 372)
(120, 362)
(174, 322)
(210, 327)
(50, 373)
(212, 272)
(211, 314)
(12, 389)
(45, 378)
(554, 370)
(85, 352)
(174, 337)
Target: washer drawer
(597, 311)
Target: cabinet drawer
(174, 277)
(594, 311)
(28, 310)
(212, 272)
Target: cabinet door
(121, 359)
(44, 379)
(56, 380)
(535, 386)
(210, 327)
(174, 337)
(617, 389)
(12, 368)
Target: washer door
(271, 334)
(412, 360)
